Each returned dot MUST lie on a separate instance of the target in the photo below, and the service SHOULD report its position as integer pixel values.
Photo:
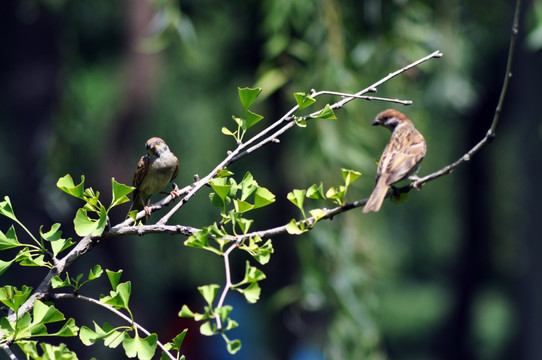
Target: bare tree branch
(416, 184)
(491, 132)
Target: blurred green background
(451, 274)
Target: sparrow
(154, 171)
(400, 158)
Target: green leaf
(207, 329)
(247, 96)
(29, 348)
(50, 352)
(316, 192)
(54, 236)
(68, 329)
(177, 341)
(349, 176)
(55, 352)
(317, 214)
(78, 278)
(218, 201)
(26, 258)
(95, 273)
(233, 345)
(143, 348)
(297, 197)
(66, 184)
(293, 229)
(198, 240)
(119, 193)
(326, 113)
(248, 185)
(87, 336)
(230, 324)
(186, 312)
(4, 265)
(336, 194)
(13, 298)
(45, 313)
(218, 230)
(6, 209)
(224, 312)
(26, 329)
(111, 337)
(244, 224)
(263, 255)
(226, 131)
(263, 197)
(9, 239)
(114, 278)
(6, 327)
(253, 274)
(220, 187)
(57, 282)
(251, 119)
(242, 206)
(84, 225)
(120, 297)
(209, 292)
(303, 100)
(251, 292)
(237, 120)
(223, 173)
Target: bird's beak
(376, 122)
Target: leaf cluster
(234, 200)
(36, 252)
(23, 329)
(334, 195)
(91, 219)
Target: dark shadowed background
(451, 274)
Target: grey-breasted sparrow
(400, 158)
(154, 171)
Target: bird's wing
(401, 156)
(176, 172)
(141, 170)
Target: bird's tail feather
(377, 197)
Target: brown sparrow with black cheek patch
(154, 171)
(400, 158)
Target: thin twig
(370, 98)
(59, 296)
(330, 213)
(287, 119)
(244, 149)
(436, 54)
(227, 286)
(8, 351)
(491, 132)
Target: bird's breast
(158, 176)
